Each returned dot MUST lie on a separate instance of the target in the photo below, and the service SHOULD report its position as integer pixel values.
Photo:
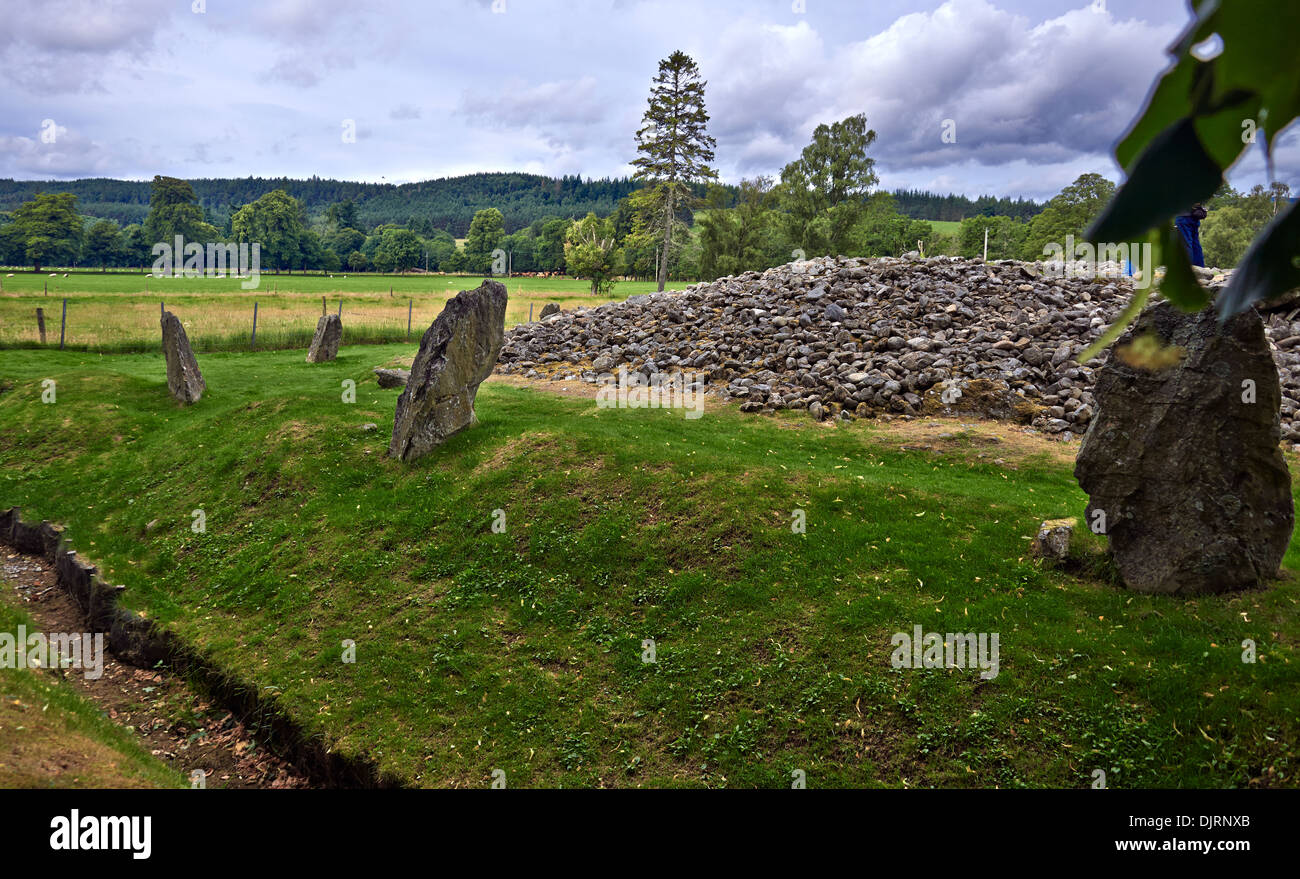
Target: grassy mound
(524, 650)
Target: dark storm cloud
(1038, 90)
(1012, 90)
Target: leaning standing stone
(1182, 464)
(325, 344)
(184, 380)
(456, 354)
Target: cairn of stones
(843, 338)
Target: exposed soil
(172, 721)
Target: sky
(1034, 92)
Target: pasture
(117, 312)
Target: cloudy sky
(1038, 89)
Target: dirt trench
(170, 718)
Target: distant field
(116, 312)
(946, 227)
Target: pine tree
(674, 147)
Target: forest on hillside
(447, 203)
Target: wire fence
(69, 323)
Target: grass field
(946, 227)
(524, 651)
(118, 312)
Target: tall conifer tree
(674, 146)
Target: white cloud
(67, 154)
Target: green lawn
(316, 283)
(523, 651)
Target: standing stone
(549, 309)
(325, 344)
(1183, 463)
(183, 377)
(456, 354)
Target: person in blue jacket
(1189, 225)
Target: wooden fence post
(254, 342)
(63, 324)
(40, 323)
(410, 307)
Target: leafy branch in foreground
(1201, 116)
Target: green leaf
(1116, 329)
(1167, 104)
(1169, 175)
(1268, 268)
(1179, 284)
(1259, 55)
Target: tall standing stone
(1182, 464)
(325, 344)
(184, 380)
(456, 354)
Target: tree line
(447, 203)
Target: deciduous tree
(590, 253)
(826, 191)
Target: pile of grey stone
(842, 337)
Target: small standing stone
(325, 344)
(1182, 463)
(184, 380)
(1052, 541)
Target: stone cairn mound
(846, 338)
